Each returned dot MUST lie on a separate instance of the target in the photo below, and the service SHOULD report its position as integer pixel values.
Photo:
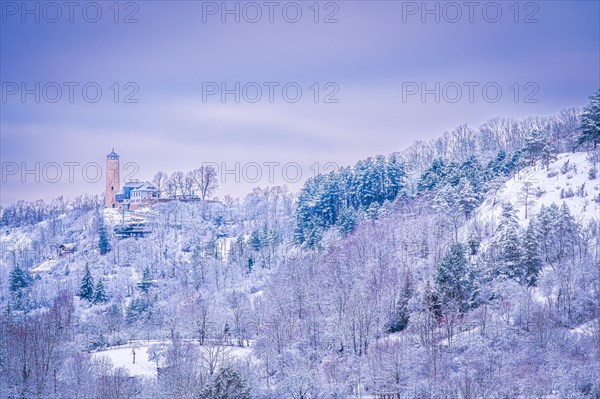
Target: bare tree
(188, 185)
(213, 356)
(178, 179)
(171, 188)
(205, 179)
(159, 180)
(527, 197)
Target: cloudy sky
(273, 85)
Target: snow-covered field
(144, 366)
(123, 357)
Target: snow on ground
(548, 184)
(122, 356)
(114, 216)
(45, 266)
(590, 328)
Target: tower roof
(112, 154)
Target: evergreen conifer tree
(467, 197)
(454, 278)
(19, 278)
(347, 220)
(103, 243)
(255, 240)
(146, 282)
(590, 121)
(100, 293)
(86, 289)
(534, 146)
(532, 259)
(227, 384)
(509, 244)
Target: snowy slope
(546, 187)
(113, 217)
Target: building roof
(45, 266)
(112, 154)
(133, 183)
(146, 186)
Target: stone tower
(113, 183)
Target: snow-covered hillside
(567, 179)
(360, 286)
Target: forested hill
(467, 267)
(467, 162)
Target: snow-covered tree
(255, 240)
(100, 293)
(567, 231)
(146, 282)
(526, 197)
(508, 244)
(455, 278)
(205, 180)
(548, 155)
(467, 197)
(347, 220)
(401, 314)
(590, 121)
(532, 259)
(159, 181)
(535, 143)
(19, 279)
(103, 243)
(86, 288)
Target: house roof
(146, 186)
(45, 266)
(133, 183)
(112, 154)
